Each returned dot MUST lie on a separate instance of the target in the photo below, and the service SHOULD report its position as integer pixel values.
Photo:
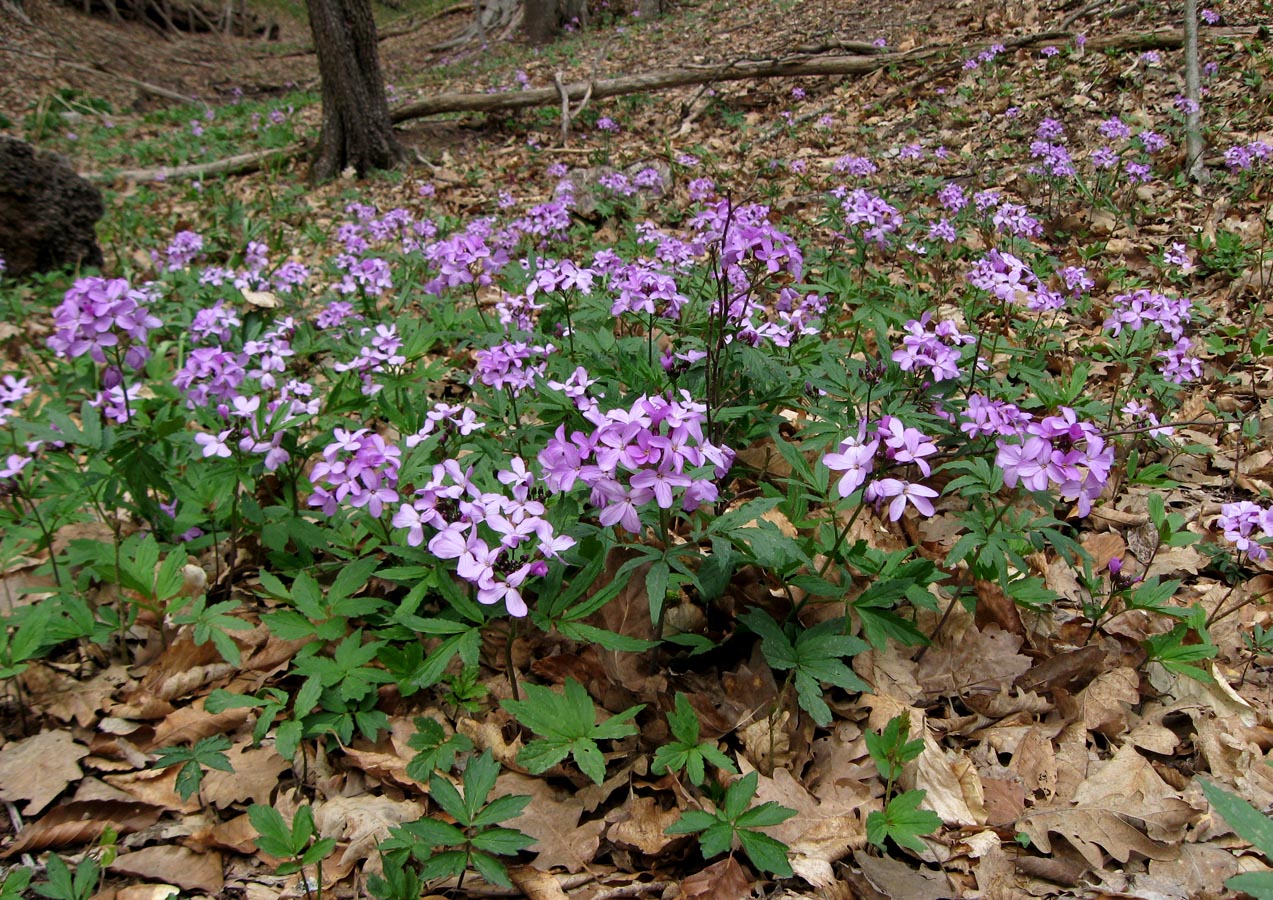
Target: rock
(47, 212)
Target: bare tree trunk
(541, 21)
(1193, 92)
(356, 131)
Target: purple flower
(185, 247)
(858, 166)
(1050, 130)
(1114, 129)
(13, 464)
(99, 313)
(856, 459)
(902, 492)
(952, 197)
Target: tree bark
(541, 20)
(356, 131)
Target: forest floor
(1060, 762)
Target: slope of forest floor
(1061, 760)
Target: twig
(565, 108)
(16, 11)
(242, 164)
(1081, 12)
(15, 819)
(636, 889)
(102, 70)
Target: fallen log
(665, 79)
(746, 69)
(242, 164)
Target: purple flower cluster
(1058, 452)
(376, 356)
(865, 208)
(360, 469)
(1143, 307)
(514, 365)
(497, 540)
(13, 390)
(184, 249)
(653, 451)
(99, 313)
(936, 351)
(1241, 157)
(465, 258)
(902, 446)
(857, 166)
(641, 288)
(369, 277)
(1006, 277)
(1248, 527)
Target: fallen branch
(99, 69)
(242, 164)
(743, 70)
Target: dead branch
(100, 69)
(791, 67)
(860, 47)
(242, 164)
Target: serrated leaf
(766, 853)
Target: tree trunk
(356, 131)
(541, 19)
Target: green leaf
(275, 837)
(903, 821)
(766, 853)
(568, 723)
(1242, 817)
(1258, 884)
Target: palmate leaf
(716, 831)
(903, 821)
(685, 752)
(816, 655)
(568, 725)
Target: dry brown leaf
(952, 783)
(155, 787)
(72, 699)
(361, 823)
(824, 829)
(536, 885)
(1091, 830)
(891, 672)
(174, 865)
(552, 819)
(148, 892)
(1129, 782)
(38, 768)
(886, 877)
(974, 660)
(82, 823)
(1105, 702)
(190, 724)
(1200, 871)
(1035, 763)
(255, 775)
(640, 825)
(724, 880)
(1106, 545)
(237, 834)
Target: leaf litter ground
(1059, 765)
